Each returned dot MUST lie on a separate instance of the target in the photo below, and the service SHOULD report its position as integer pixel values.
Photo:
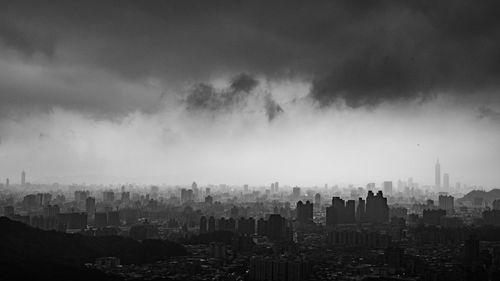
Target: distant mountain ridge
(488, 196)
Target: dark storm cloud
(205, 97)
(273, 109)
(486, 112)
(362, 52)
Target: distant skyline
(250, 92)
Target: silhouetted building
(73, 220)
(114, 218)
(100, 219)
(203, 225)
(356, 239)
(304, 212)
(317, 201)
(360, 210)
(279, 269)
(276, 227)
(377, 210)
(334, 213)
(90, 206)
(211, 224)
(246, 226)
(446, 202)
(433, 217)
(350, 212)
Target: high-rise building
(211, 224)
(276, 227)
(23, 178)
(446, 181)
(377, 210)
(446, 202)
(335, 213)
(317, 201)
(90, 206)
(437, 175)
(360, 210)
(203, 225)
(108, 196)
(187, 195)
(114, 218)
(304, 212)
(432, 217)
(388, 187)
(296, 192)
(7, 182)
(350, 211)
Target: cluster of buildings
(280, 232)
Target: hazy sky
(254, 92)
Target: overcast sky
(305, 93)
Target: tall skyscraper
(7, 182)
(437, 174)
(446, 181)
(23, 178)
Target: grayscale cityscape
(250, 140)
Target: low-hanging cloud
(204, 97)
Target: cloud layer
(310, 90)
(358, 53)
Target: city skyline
(386, 185)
